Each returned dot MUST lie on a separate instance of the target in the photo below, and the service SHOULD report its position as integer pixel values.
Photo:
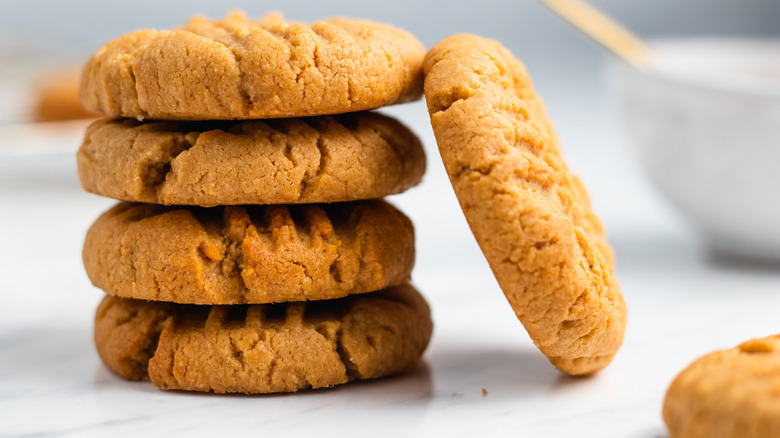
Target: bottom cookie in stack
(263, 348)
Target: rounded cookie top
(530, 215)
(282, 161)
(262, 348)
(728, 394)
(240, 68)
(253, 254)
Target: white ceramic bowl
(705, 124)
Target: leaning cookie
(529, 214)
(263, 348)
(239, 68)
(728, 394)
(253, 254)
(283, 161)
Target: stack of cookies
(251, 252)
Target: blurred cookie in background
(56, 96)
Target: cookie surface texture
(530, 215)
(728, 394)
(257, 254)
(283, 161)
(262, 348)
(240, 68)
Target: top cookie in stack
(242, 112)
(244, 69)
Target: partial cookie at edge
(529, 214)
(253, 254)
(728, 394)
(312, 160)
(263, 348)
(239, 68)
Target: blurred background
(67, 31)
(678, 296)
(560, 60)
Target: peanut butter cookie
(731, 393)
(263, 348)
(530, 215)
(283, 161)
(254, 254)
(239, 68)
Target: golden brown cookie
(282, 161)
(530, 215)
(239, 68)
(263, 348)
(254, 254)
(731, 393)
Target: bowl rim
(728, 82)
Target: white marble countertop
(682, 304)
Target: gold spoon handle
(604, 30)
